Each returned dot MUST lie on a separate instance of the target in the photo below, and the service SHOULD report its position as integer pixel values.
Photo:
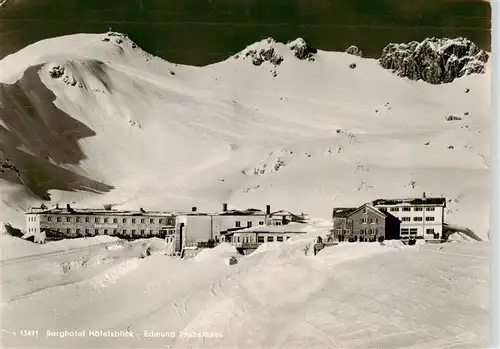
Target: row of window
(362, 231)
(260, 239)
(406, 209)
(417, 219)
(369, 220)
(237, 224)
(169, 221)
(144, 232)
(413, 231)
(31, 218)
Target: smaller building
(283, 217)
(252, 238)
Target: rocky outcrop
(434, 60)
(302, 50)
(354, 50)
(262, 55)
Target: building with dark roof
(365, 224)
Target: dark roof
(411, 201)
(343, 212)
(249, 212)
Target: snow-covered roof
(436, 201)
(286, 228)
(90, 211)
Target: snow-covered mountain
(93, 119)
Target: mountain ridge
(209, 127)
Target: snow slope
(302, 135)
(354, 295)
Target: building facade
(421, 218)
(365, 224)
(59, 223)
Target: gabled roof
(343, 212)
(435, 201)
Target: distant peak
(434, 60)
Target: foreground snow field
(302, 135)
(354, 295)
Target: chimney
(68, 207)
(224, 207)
(194, 209)
(142, 210)
(57, 206)
(268, 209)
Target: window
(142, 231)
(278, 223)
(68, 231)
(133, 220)
(115, 231)
(383, 209)
(133, 231)
(417, 219)
(363, 220)
(249, 224)
(68, 219)
(170, 221)
(105, 220)
(87, 219)
(96, 231)
(413, 231)
(405, 219)
(124, 220)
(96, 220)
(261, 223)
(270, 238)
(105, 231)
(394, 209)
(143, 220)
(151, 221)
(429, 219)
(404, 231)
(430, 208)
(237, 224)
(151, 232)
(406, 209)
(87, 231)
(279, 238)
(237, 239)
(77, 219)
(429, 231)
(418, 209)
(260, 239)
(115, 220)
(124, 231)
(49, 218)
(160, 221)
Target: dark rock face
(434, 60)
(56, 72)
(302, 50)
(355, 51)
(38, 139)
